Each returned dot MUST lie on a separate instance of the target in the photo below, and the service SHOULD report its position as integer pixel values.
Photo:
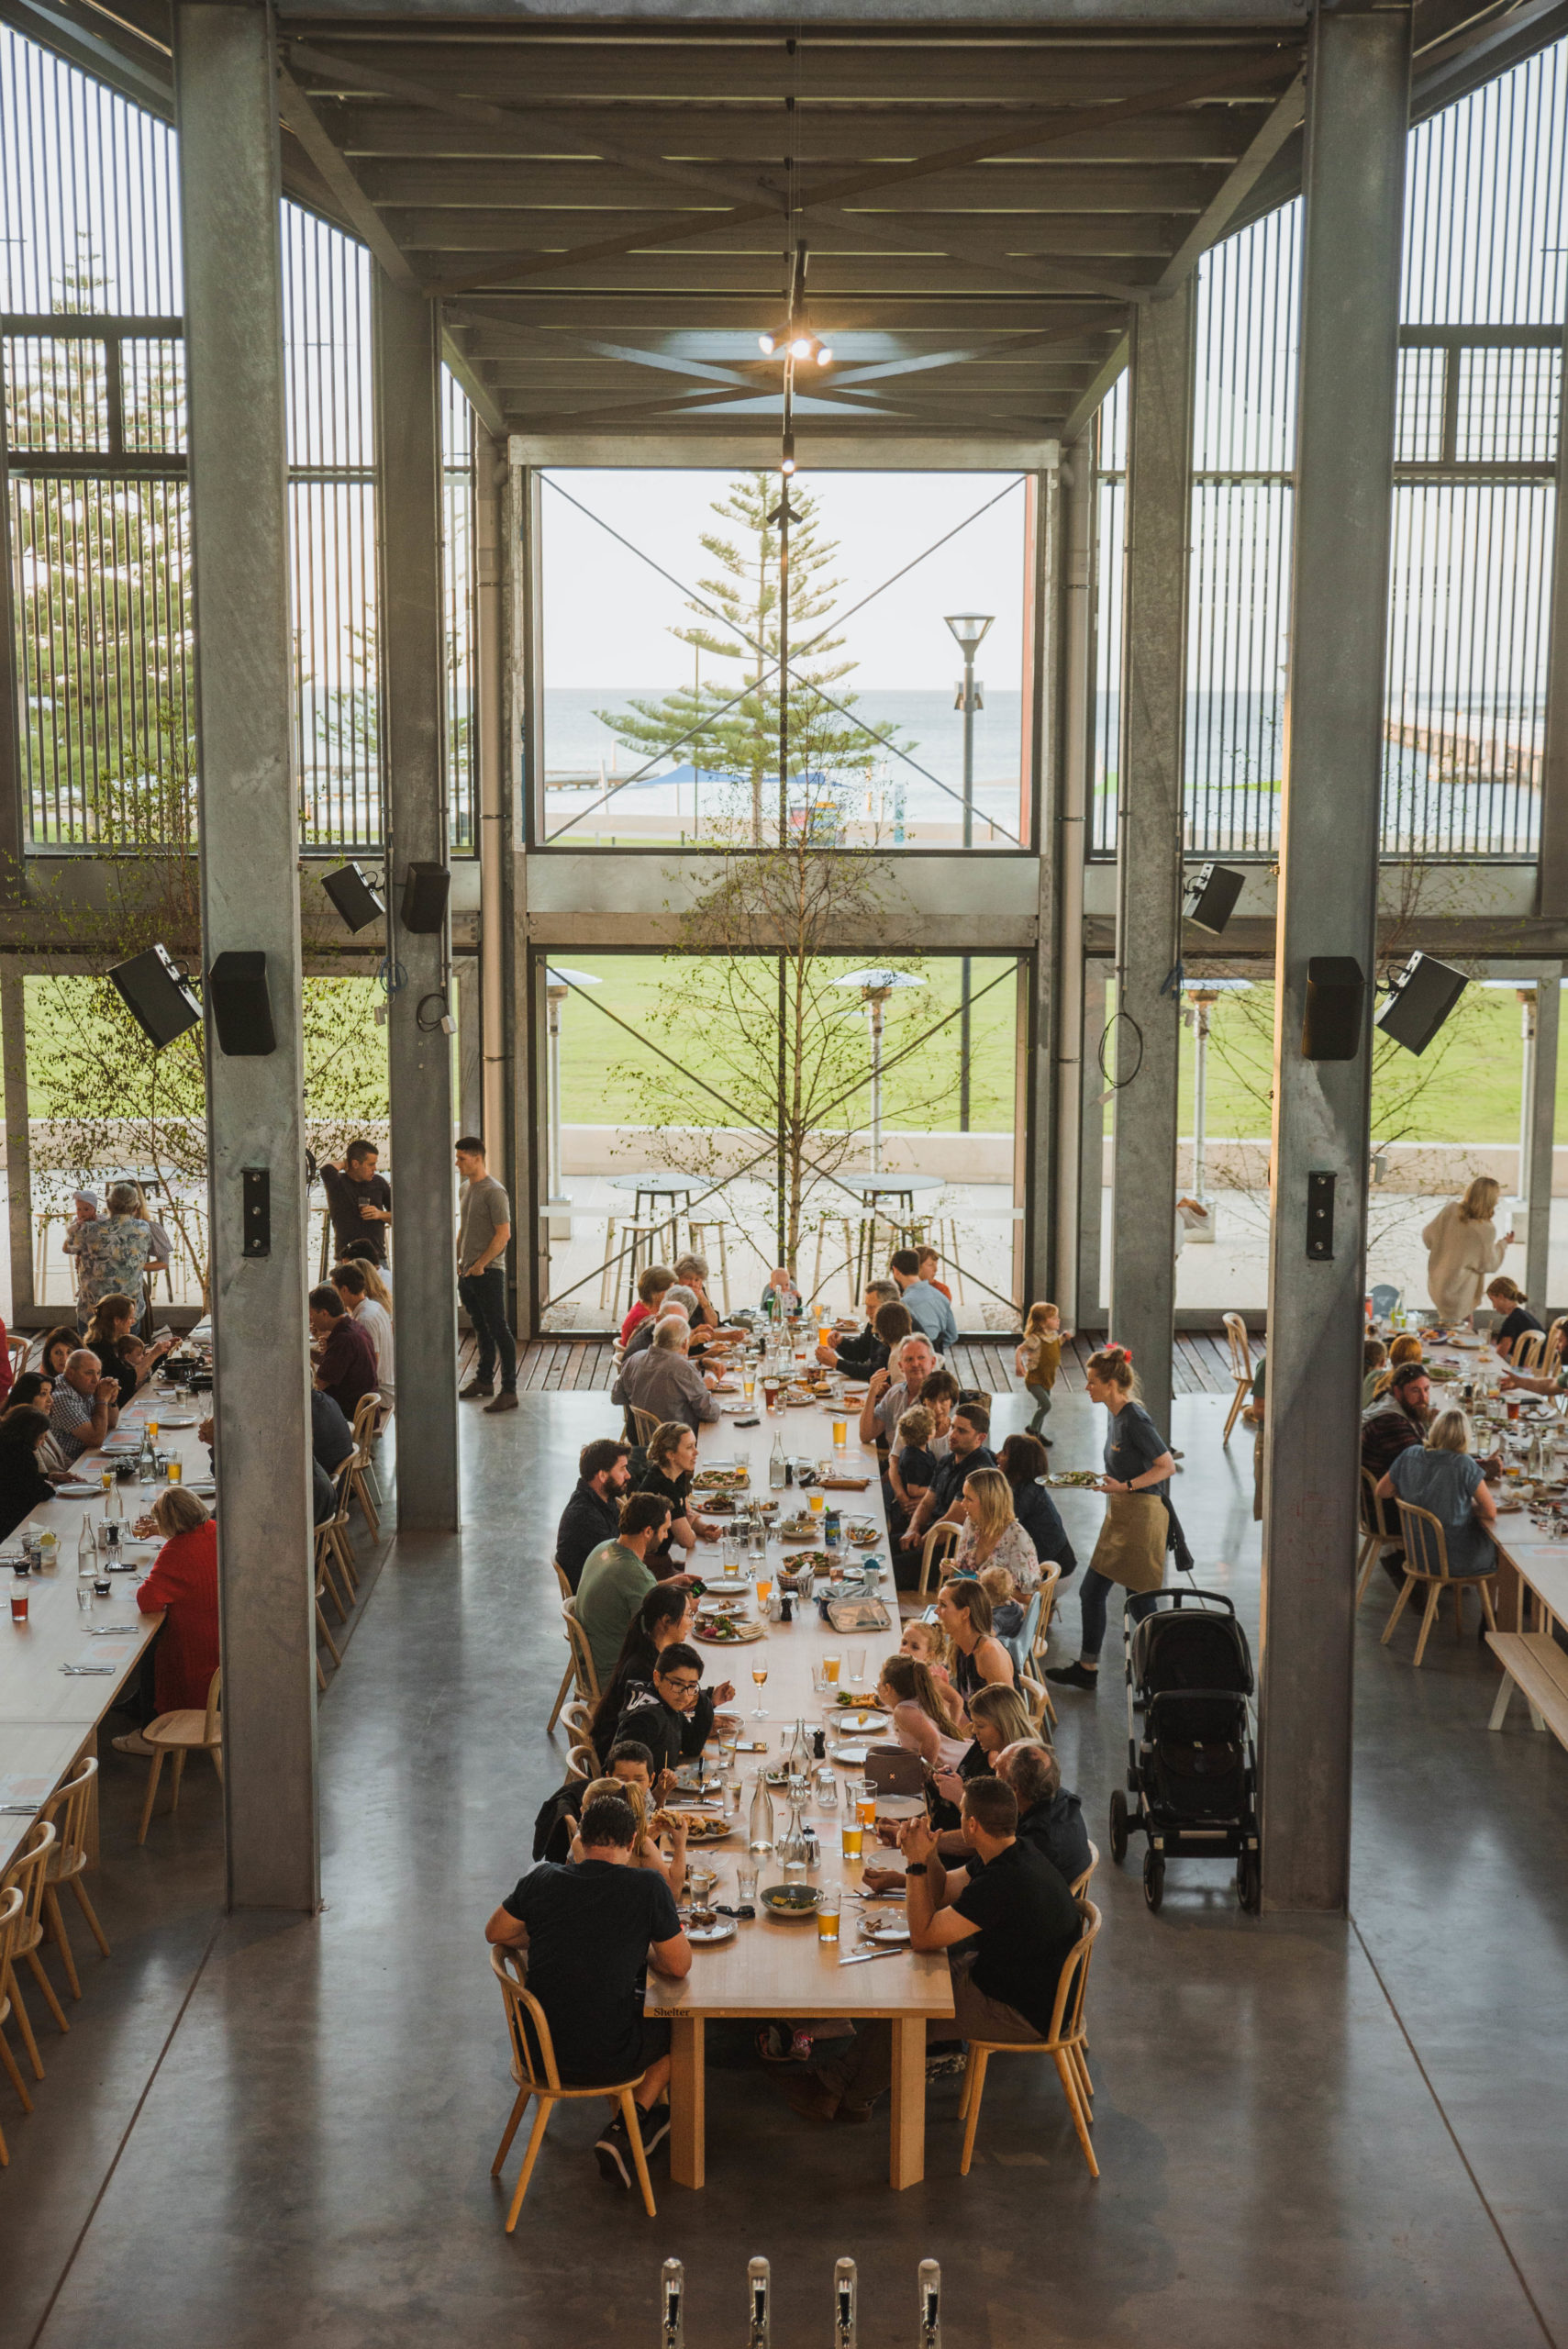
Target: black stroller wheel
(1154, 1879)
(1118, 1825)
(1250, 1883)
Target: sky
(608, 615)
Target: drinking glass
(746, 1881)
(866, 1804)
(830, 1666)
(817, 1503)
(840, 1435)
(764, 1589)
(152, 1431)
(729, 1556)
(818, 1679)
(828, 1901)
(176, 1470)
(759, 1676)
(856, 1665)
(850, 1834)
(771, 1393)
(732, 1796)
(106, 1475)
(757, 1540)
(749, 1383)
(827, 1788)
(84, 1600)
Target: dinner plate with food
(701, 1826)
(892, 1934)
(724, 1586)
(857, 1719)
(1074, 1480)
(706, 1926)
(789, 1900)
(797, 1529)
(721, 1480)
(844, 1483)
(723, 1632)
(817, 1560)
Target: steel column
(1543, 1136)
(419, 1058)
(18, 1137)
(524, 1004)
(1075, 714)
(490, 672)
(470, 1045)
(1091, 1152)
(226, 99)
(1149, 842)
(1358, 109)
(1552, 870)
(1033, 1267)
(13, 813)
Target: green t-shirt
(613, 1583)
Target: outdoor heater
(875, 986)
(558, 984)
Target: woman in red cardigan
(183, 1586)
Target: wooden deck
(1202, 1364)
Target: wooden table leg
(906, 2163)
(688, 2101)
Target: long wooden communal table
(49, 1719)
(774, 1968)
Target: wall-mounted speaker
(1335, 1003)
(357, 901)
(1420, 1000)
(240, 1007)
(1211, 896)
(156, 996)
(425, 889)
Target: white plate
(900, 1807)
(853, 1757)
(162, 1423)
(705, 1936)
(857, 1719)
(891, 1936)
(724, 1589)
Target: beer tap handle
(844, 2286)
(930, 2292)
(672, 2295)
(758, 2300)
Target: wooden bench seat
(1533, 1662)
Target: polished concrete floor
(266, 2131)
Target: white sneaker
(134, 1744)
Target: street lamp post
(875, 986)
(969, 628)
(558, 984)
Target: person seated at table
(992, 1535)
(863, 1351)
(673, 1715)
(891, 1391)
(921, 1712)
(967, 1449)
(1023, 1463)
(23, 1483)
(1049, 1817)
(1441, 1475)
(651, 1825)
(593, 1513)
(940, 1394)
(124, 1358)
(1398, 1419)
(1374, 1361)
(181, 1584)
(1007, 1608)
(672, 1462)
(1509, 1300)
(929, 1267)
(34, 1392)
(591, 1933)
(345, 1357)
(615, 1578)
(667, 1615)
(691, 1273)
(1405, 1348)
(997, 1718)
(1008, 1924)
(780, 1299)
(979, 1660)
(929, 1644)
(353, 1283)
(556, 1825)
(911, 1465)
(652, 1286)
(50, 1352)
(929, 1306)
(678, 1301)
(662, 1382)
(86, 1406)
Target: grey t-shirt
(482, 1207)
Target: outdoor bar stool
(1426, 1560)
(1064, 2043)
(846, 1229)
(533, 2068)
(636, 1254)
(66, 1812)
(1241, 1371)
(703, 1246)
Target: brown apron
(1131, 1547)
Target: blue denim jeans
(484, 1296)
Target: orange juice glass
(866, 1804)
(176, 1471)
(851, 1831)
(827, 1913)
(830, 1666)
(764, 1591)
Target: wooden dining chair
(27, 1872)
(647, 1423)
(188, 1732)
(334, 1551)
(1529, 1352)
(67, 1812)
(1033, 1693)
(580, 1673)
(323, 1630)
(936, 1548)
(560, 1577)
(1241, 1370)
(1552, 1353)
(11, 1906)
(18, 1348)
(583, 1754)
(361, 1472)
(1064, 2043)
(534, 2070)
(1425, 1561)
(1079, 1884)
(1380, 1531)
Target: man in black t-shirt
(1049, 1817)
(558, 1813)
(358, 1200)
(591, 1933)
(967, 1451)
(1009, 1924)
(592, 1516)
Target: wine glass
(759, 1676)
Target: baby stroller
(1191, 1775)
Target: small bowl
(790, 1900)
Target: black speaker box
(425, 890)
(156, 996)
(240, 1007)
(355, 899)
(1423, 995)
(1211, 896)
(1336, 999)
